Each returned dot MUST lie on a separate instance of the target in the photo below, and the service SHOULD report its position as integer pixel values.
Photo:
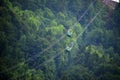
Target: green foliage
(78, 73)
(95, 50)
(29, 28)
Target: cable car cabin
(69, 48)
(69, 33)
(110, 3)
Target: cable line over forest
(80, 34)
(59, 40)
(62, 37)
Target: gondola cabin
(69, 33)
(69, 48)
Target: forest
(59, 40)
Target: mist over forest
(59, 40)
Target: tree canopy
(33, 40)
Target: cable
(64, 49)
(62, 37)
(43, 63)
(83, 32)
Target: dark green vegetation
(28, 27)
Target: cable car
(69, 33)
(69, 48)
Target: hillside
(59, 40)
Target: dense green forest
(34, 40)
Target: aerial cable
(47, 61)
(62, 37)
(85, 12)
(81, 35)
(37, 55)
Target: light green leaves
(95, 50)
